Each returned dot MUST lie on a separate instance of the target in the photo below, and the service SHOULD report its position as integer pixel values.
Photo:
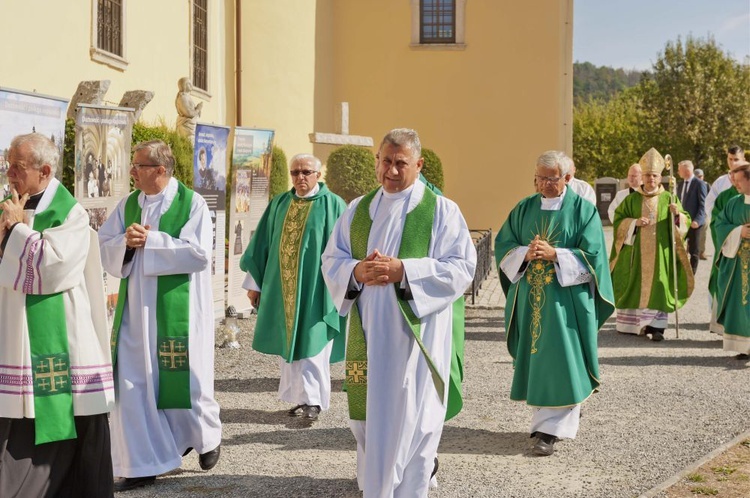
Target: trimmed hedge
(432, 169)
(350, 172)
(279, 181)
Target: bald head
(634, 176)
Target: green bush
(432, 169)
(69, 155)
(350, 172)
(279, 181)
(182, 148)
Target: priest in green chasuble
(733, 283)
(721, 201)
(552, 262)
(642, 255)
(297, 320)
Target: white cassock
(720, 185)
(306, 381)
(147, 441)
(397, 445)
(583, 189)
(63, 259)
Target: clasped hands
(12, 212)
(745, 231)
(377, 269)
(540, 249)
(135, 235)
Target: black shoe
(311, 412)
(742, 357)
(435, 468)
(657, 336)
(297, 410)
(208, 460)
(128, 483)
(545, 444)
(187, 452)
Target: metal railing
(483, 244)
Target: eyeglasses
(548, 179)
(139, 166)
(303, 172)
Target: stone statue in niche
(187, 111)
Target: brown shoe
(545, 444)
(128, 483)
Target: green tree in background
(691, 105)
(432, 169)
(350, 172)
(697, 101)
(279, 181)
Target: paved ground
(662, 406)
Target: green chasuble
(552, 330)
(648, 282)
(296, 316)
(721, 200)
(48, 341)
(733, 282)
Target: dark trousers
(693, 247)
(80, 467)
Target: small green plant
(432, 169)
(704, 490)
(696, 478)
(350, 172)
(724, 470)
(279, 181)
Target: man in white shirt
(579, 186)
(634, 181)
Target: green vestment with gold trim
(649, 282)
(552, 330)
(721, 201)
(733, 280)
(296, 315)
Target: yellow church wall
(488, 110)
(47, 49)
(278, 70)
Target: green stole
(415, 243)
(172, 308)
(48, 339)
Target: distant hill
(601, 82)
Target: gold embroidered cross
(47, 378)
(171, 355)
(356, 372)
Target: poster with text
(251, 167)
(22, 113)
(210, 180)
(102, 165)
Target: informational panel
(102, 179)
(251, 167)
(22, 113)
(210, 180)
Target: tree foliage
(350, 172)
(592, 82)
(692, 105)
(432, 169)
(279, 181)
(182, 148)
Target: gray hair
(42, 150)
(158, 153)
(403, 137)
(556, 159)
(687, 164)
(306, 157)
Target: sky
(630, 34)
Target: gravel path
(661, 407)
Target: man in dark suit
(692, 194)
(704, 228)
